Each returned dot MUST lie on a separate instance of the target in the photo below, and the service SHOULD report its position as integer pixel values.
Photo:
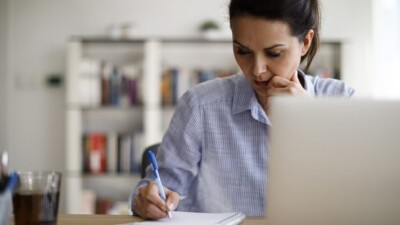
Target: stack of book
(112, 152)
(175, 82)
(106, 84)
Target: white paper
(186, 218)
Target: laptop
(334, 161)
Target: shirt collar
(244, 97)
(306, 82)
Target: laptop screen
(334, 161)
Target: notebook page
(184, 218)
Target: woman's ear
(307, 41)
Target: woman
(213, 156)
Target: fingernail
(170, 206)
(169, 215)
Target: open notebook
(197, 219)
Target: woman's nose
(259, 67)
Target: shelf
(92, 128)
(110, 175)
(101, 175)
(105, 108)
(106, 40)
(180, 40)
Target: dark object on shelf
(54, 80)
(145, 158)
(208, 25)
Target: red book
(97, 153)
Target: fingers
(149, 204)
(153, 196)
(278, 82)
(147, 210)
(172, 199)
(280, 86)
(295, 78)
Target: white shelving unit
(154, 55)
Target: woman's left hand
(280, 86)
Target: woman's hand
(149, 204)
(281, 86)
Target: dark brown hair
(301, 15)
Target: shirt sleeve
(332, 87)
(180, 151)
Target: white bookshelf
(154, 55)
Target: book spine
(105, 84)
(97, 153)
(174, 85)
(89, 84)
(112, 153)
(116, 86)
(85, 153)
(132, 91)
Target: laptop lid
(334, 161)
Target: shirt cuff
(131, 202)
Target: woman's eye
(242, 51)
(273, 54)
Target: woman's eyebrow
(268, 48)
(274, 46)
(241, 45)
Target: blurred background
(86, 85)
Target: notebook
(334, 161)
(185, 218)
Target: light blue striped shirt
(214, 151)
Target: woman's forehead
(251, 30)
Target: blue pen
(13, 181)
(157, 178)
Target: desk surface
(111, 220)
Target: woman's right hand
(149, 204)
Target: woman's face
(264, 49)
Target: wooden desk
(111, 220)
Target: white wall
(39, 31)
(350, 21)
(386, 48)
(3, 57)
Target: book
(124, 156)
(112, 151)
(97, 153)
(193, 218)
(106, 69)
(137, 151)
(116, 82)
(89, 84)
(166, 92)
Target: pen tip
(169, 215)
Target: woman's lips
(261, 83)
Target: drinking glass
(36, 198)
